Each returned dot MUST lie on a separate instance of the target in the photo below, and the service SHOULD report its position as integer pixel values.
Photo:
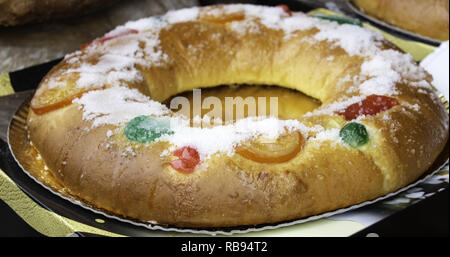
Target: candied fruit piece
(354, 134)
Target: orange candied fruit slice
(47, 98)
(283, 149)
(44, 105)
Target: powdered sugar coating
(117, 105)
(379, 73)
(224, 139)
(121, 57)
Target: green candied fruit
(339, 19)
(354, 134)
(145, 129)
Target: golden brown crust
(423, 17)
(17, 12)
(230, 191)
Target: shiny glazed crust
(231, 190)
(17, 12)
(423, 17)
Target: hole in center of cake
(226, 104)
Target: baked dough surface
(423, 17)
(82, 106)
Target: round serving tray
(25, 167)
(386, 26)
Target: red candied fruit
(101, 40)
(188, 158)
(285, 9)
(373, 104)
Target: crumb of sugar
(245, 26)
(414, 107)
(154, 23)
(130, 151)
(338, 105)
(182, 15)
(421, 84)
(330, 134)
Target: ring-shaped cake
(98, 122)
